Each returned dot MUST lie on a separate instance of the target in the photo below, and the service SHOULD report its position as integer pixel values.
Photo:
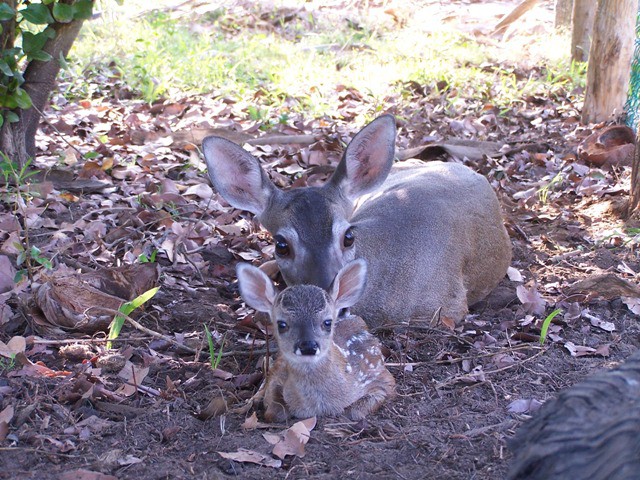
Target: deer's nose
(307, 347)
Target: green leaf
(545, 325)
(39, 55)
(32, 42)
(20, 275)
(1, 120)
(8, 101)
(62, 12)
(12, 117)
(126, 309)
(37, 14)
(21, 258)
(23, 100)
(6, 12)
(5, 68)
(82, 9)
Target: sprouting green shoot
(143, 258)
(212, 350)
(546, 323)
(125, 309)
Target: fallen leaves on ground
(251, 456)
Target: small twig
(489, 372)
(137, 326)
(146, 330)
(86, 340)
(106, 209)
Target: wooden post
(564, 8)
(584, 14)
(610, 59)
(634, 202)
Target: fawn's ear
(255, 287)
(367, 159)
(349, 284)
(237, 175)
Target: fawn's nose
(307, 347)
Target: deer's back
(433, 235)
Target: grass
(296, 65)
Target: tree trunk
(564, 9)
(610, 59)
(634, 202)
(18, 140)
(584, 13)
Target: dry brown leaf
(601, 324)
(514, 275)
(582, 351)
(531, 299)
(524, 405)
(608, 286)
(82, 474)
(16, 345)
(632, 304)
(7, 414)
(252, 422)
(71, 301)
(38, 369)
(216, 407)
(133, 376)
(294, 439)
(7, 273)
(251, 456)
(201, 190)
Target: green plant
(143, 258)
(8, 363)
(545, 325)
(543, 192)
(213, 358)
(125, 309)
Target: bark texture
(590, 431)
(584, 14)
(17, 140)
(610, 59)
(634, 202)
(564, 9)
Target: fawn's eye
(327, 324)
(282, 326)
(282, 247)
(349, 237)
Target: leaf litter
(154, 401)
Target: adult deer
(432, 234)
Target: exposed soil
(460, 393)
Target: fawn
(432, 234)
(326, 365)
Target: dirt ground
(461, 394)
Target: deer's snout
(307, 347)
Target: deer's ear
(367, 159)
(255, 287)
(348, 286)
(237, 175)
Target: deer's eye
(327, 324)
(282, 247)
(349, 237)
(282, 326)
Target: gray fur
(432, 234)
